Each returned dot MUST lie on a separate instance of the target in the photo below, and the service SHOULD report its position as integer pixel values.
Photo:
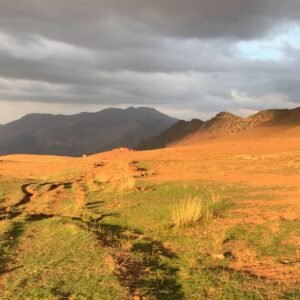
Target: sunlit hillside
(218, 220)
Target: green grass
(266, 242)
(126, 242)
(59, 259)
(209, 281)
(197, 276)
(2, 194)
(10, 192)
(10, 232)
(130, 207)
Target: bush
(192, 210)
(127, 183)
(187, 212)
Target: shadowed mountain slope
(82, 133)
(176, 132)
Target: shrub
(214, 196)
(127, 183)
(188, 211)
(192, 210)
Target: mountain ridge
(82, 133)
(176, 131)
(225, 124)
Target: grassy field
(106, 226)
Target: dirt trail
(27, 197)
(48, 198)
(10, 212)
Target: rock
(228, 254)
(222, 256)
(218, 256)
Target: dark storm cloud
(82, 21)
(169, 52)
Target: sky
(189, 59)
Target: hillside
(104, 227)
(83, 133)
(226, 125)
(176, 132)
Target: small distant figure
(84, 155)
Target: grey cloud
(81, 21)
(168, 53)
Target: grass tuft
(127, 183)
(192, 210)
(187, 212)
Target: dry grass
(110, 263)
(215, 242)
(192, 210)
(127, 183)
(122, 184)
(122, 180)
(187, 212)
(214, 196)
(116, 262)
(126, 244)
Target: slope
(226, 125)
(176, 132)
(82, 133)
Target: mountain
(176, 132)
(224, 124)
(82, 133)
(277, 117)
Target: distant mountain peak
(82, 133)
(226, 115)
(224, 122)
